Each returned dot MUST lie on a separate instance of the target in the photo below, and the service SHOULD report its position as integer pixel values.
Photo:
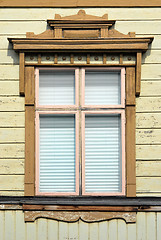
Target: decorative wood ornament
(74, 216)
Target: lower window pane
(57, 153)
(103, 153)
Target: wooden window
(80, 131)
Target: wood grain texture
(68, 216)
(9, 104)
(29, 150)
(8, 57)
(148, 104)
(138, 72)
(130, 151)
(147, 227)
(148, 152)
(9, 88)
(9, 72)
(81, 3)
(48, 13)
(19, 226)
(148, 136)
(12, 151)
(148, 120)
(148, 184)
(29, 86)
(12, 182)
(151, 71)
(12, 119)
(22, 73)
(130, 86)
(148, 168)
(150, 88)
(11, 166)
(53, 229)
(34, 207)
(12, 135)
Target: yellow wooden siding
(13, 227)
(145, 22)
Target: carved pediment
(80, 26)
(81, 15)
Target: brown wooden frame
(58, 40)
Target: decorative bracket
(74, 216)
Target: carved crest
(80, 26)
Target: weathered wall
(143, 21)
(12, 227)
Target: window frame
(106, 69)
(37, 123)
(57, 106)
(79, 110)
(110, 112)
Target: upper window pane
(102, 88)
(57, 87)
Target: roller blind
(57, 87)
(102, 88)
(57, 153)
(103, 153)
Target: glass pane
(102, 88)
(57, 87)
(57, 153)
(103, 153)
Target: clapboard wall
(15, 22)
(13, 227)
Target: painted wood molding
(74, 216)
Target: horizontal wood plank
(11, 182)
(12, 119)
(148, 152)
(150, 88)
(148, 120)
(148, 104)
(9, 72)
(148, 184)
(148, 168)
(11, 27)
(152, 56)
(148, 136)
(5, 45)
(140, 27)
(48, 13)
(12, 193)
(12, 135)
(9, 104)
(151, 71)
(12, 151)
(9, 57)
(9, 88)
(146, 194)
(11, 166)
(81, 3)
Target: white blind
(102, 88)
(103, 153)
(56, 87)
(57, 153)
